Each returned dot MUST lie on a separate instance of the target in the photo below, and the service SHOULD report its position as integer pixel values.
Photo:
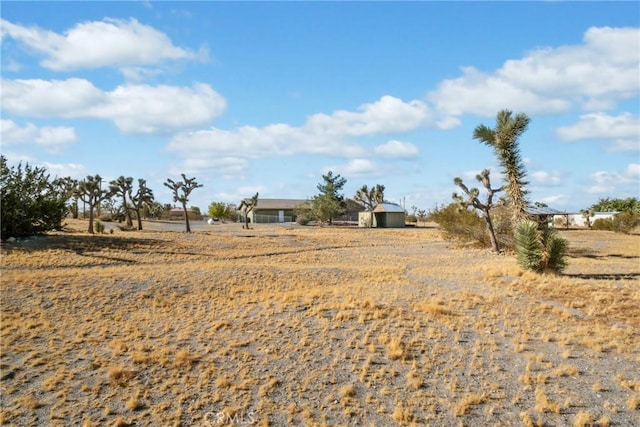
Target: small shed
(384, 215)
(545, 215)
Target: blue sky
(269, 96)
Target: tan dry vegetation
(315, 326)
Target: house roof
(388, 207)
(280, 204)
(535, 210)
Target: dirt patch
(309, 325)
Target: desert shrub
(466, 225)
(623, 222)
(602, 224)
(106, 217)
(303, 213)
(99, 227)
(411, 218)
(459, 223)
(540, 250)
(626, 221)
(302, 219)
(30, 202)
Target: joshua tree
(90, 191)
(144, 195)
(370, 197)
(122, 188)
(504, 140)
(247, 206)
(473, 200)
(181, 191)
(587, 214)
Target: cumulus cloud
(74, 170)
(556, 199)
(95, 44)
(387, 115)
(242, 193)
(399, 149)
(597, 73)
(546, 178)
(326, 134)
(617, 181)
(356, 168)
(623, 130)
(133, 108)
(52, 138)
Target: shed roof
(388, 207)
(535, 210)
(281, 204)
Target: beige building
(274, 210)
(384, 215)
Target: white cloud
(241, 193)
(399, 149)
(546, 178)
(633, 171)
(387, 115)
(95, 44)
(600, 72)
(51, 138)
(616, 182)
(624, 145)
(74, 170)
(557, 199)
(325, 134)
(223, 167)
(356, 168)
(55, 98)
(622, 127)
(133, 108)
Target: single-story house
(273, 210)
(581, 221)
(384, 215)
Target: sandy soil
(290, 325)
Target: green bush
(623, 222)
(540, 250)
(466, 225)
(458, 223)
(29, 204)
(602, 224)
(99, 227)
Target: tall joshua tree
(247, 206)
(181, 191)
(473, 200)
(122, 188)
(143, 196)
(504, 141)
(90, 191)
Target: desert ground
(289, 325)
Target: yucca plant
(528, 245)
(555, 251)
(540, 250)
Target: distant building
(274, 210)
(384, 215)
(580, 221)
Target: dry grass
(315, 326)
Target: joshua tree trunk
(492, 232)
(186, 217)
